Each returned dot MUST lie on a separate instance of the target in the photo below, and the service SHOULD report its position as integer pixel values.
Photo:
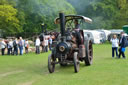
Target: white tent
(94, 35)
(106, 33)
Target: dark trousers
(2, 50)
(114, 49)
(121, 53)
(26, 50)
(43, 48)
(37, 49)
(16, 50)
(21, 50)
(50, 46)
(9, 51)
(46, 48)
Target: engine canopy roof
(73, 17)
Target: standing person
(43, 46)
(46, 45)
(3, 46)
(26, 46)
(37, 44)
(7, 43)
(15, 46)
(50, 43)
(115, 43)
(21, 45)
(122, 45)
(10, 46)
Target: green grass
(31, 69)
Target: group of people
(121, 43)
(47, 42)
(13, 46)
(17, 45)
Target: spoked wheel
(51, 63)
(76, 62)
(89, 53)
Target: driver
(77, 33)
(77, 26)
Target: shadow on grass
(110, 58)
(43, 70)
(68, 70)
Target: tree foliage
(8, 19)
(41, 11)
(18, 16)
(106, 14)
(28, 15)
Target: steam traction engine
(72, 45)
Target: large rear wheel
(76, 62)
(51, 63)
(89, 53)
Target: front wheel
(51, 64)
(76, 62)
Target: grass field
(31, 69)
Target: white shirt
(50, 40)
(26, 43)
(10, 43)
(46, 42)
(114, 42)
(21, 42)
(2, 44)
(37, 42)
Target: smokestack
(62, 23)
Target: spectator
(46, 45)
(10, 46)
(3, 46)
(37, 44)
(26, 46)
(15, 45)
(43, 46)
(21, 45)
(122, 45)
(115, 42)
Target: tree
(107, 14)
(8, 19)
(26, 16)
(122, 18)
(41, 11)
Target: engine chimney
(62, 24)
